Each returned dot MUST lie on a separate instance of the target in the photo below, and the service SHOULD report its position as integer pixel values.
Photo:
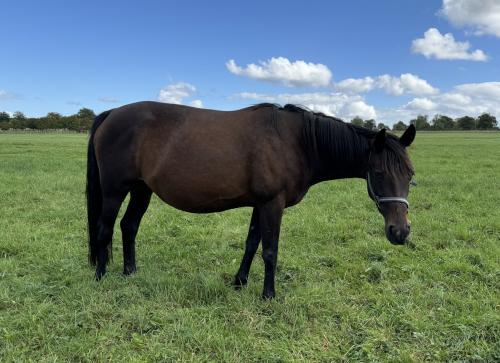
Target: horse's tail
(93, 192)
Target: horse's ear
(408, 136)
(379, 142)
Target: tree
(370, 124)
(381, 126)
(421, 122)
(358, 121)
(442, 122)
(86, 113)
(29, 123)
(80, 121)
(54, 116)
(486, 121)
(54, 120)
(75, 123)
(18, 115)
(466, 123)
(83, 119)
(4, 117)
(399, 126)
(17, 124)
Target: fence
(43, 131)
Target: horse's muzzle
(397, 235)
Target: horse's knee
(269, 256)
(105, 234)
(104, 238)
(129, 229)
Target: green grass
(343, 292)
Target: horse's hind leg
(270, 222)
(111, 203)
(140, 195)
(252, 244)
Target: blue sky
(388, 60)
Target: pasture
(343, 292)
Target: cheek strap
(380, 200)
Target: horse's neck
(337, 153)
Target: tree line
(438, 123)
(82, 121)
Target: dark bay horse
(203, 161)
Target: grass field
(343, 292)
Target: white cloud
(405, 83)
(73, 103)
(6, 95)
(356, 85)
(438, 46)
(177, 93)
(196, 103)
(359, 108)
(455, 98)
(330, 103)
(106, 99)
(481, 15)
(281, 70)
(299, 73)
(471, 99)
(423, 104)
(485, 90)
(391, 85)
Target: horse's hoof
(99, 275)
(268, 295)
(239, 282)
(129, 270)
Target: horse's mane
(344, 142)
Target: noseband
(379, 200)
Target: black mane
(344, 142)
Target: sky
(389, 60)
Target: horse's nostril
(396, 232)
(397, 235)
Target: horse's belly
(205, 206)
(201, 192)
(196, 202)
(201, 171)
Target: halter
(379, 200)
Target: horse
(201, 161)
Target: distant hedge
(81, 121)
(438, 123)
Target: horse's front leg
(251, 246)
(270, 222)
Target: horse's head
(388, 178)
